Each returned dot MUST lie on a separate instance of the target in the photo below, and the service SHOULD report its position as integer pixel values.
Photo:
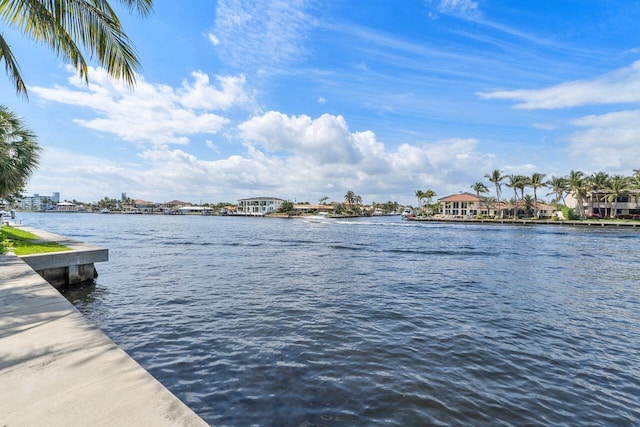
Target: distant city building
(40, 203)
(258, 205)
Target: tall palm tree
(19, 153)
(598, 183)
(420, 196)
(496, 178)
(517, 182)
(634, 183)
(536, 182)
(67, 27)
(429, 194)
(558, 187)
(577, 188)
(617, 188)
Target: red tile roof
(461, 197)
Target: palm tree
(528, 203)
(516, 182)
(634, 183)
(617, 188)
(577, 188)
(19, 153)
(429, 194)
(420, 196)
(558, 187)
(599, 182)
(66, 26)
(350, 198)
(479, 187)
(489, 201)
(496, 178)
(535, 182)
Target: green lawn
(24, 243)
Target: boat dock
(58, 369)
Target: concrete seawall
(71, 267)
(57, 369)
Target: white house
(258, 205)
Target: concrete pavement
(57, 369)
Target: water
(256, 321)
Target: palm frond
(12, 67)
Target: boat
(407, 213)
(319, 217)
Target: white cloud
(466, 9)
(213, 39)
(619, 86)
(609, 142)
(282, 158)
(212, 146)
(324, 140)
(546, 126)
(155, 113)
(263, 35)
(322, 100)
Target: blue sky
(304, 99)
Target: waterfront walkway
(57, 369)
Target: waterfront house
(66, 207)
(258, 205)
(308, 208)
(596, 204)
(463, 205)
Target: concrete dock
(57, 369)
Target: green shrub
(568, 213)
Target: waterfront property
(599, 204)
(39, 203)
(463, 204)
(470, 205)
(258, 205)
(308, 208)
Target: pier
(57, 369)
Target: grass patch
(24, 243)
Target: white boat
(320, 217)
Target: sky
(302, 99)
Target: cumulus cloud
(608, 142)
(619, 86)
(283, 156)
(153, 113)
(325, 140)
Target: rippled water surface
(255, 321)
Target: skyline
(302, 100)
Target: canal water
(371, 322)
